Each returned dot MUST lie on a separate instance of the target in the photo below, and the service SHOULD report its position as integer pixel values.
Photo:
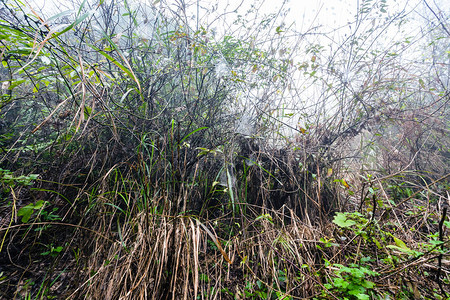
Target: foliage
(179, 159)
(8, 179)
(351, 282)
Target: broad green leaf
(39, 204)
(340, 219)
(28, 210)
(26, 213)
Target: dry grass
(265, 253)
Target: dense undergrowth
(134, 165)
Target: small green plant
(264, 217)
(327, 243)
(347, 220)
(38, 212)
(26, 289)
(50, 215)
(260, 290)
(350, 281)
(27, 211)
(52, 250)
(399, 191)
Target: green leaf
(265, 217)
(400, 243)
(128, 69)
(39, 204)
(362, 296)
(447, 224)
(436, 243)
(340, 219)
(16, 83)
(341, 283)
(357, 291)
(368, 284)
(25, 212)
(28, 210)
(407, 251)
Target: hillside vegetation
(149, 153)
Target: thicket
(149, 154)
